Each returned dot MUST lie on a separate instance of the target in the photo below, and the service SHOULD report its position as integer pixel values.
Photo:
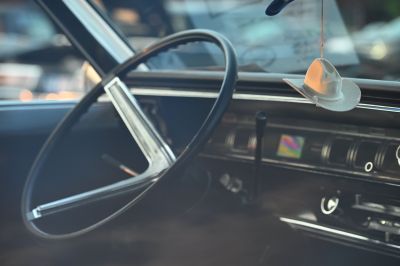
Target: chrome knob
(329, 206)
(232, 184)
(369, 167)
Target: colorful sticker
(290, 146)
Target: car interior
(191, 146)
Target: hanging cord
(322, 40)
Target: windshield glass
(362, 37)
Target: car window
(36, 62)
(362, 36)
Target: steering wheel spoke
(82, 199)
(146, 136)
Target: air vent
(242, 138)
(390, 164)
(339, 151)
(220, 137)
(366, 152)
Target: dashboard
(329, 176)
(306, 191)
(346, 167)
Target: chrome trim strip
(322, 228)
(382, 108)
(258, 77)
(269, 98)
(210, 95)
(23, 106)
(165, 92)
(202, 94)
(100, 30)
(298, 223)
(338, 131)
(172, 93)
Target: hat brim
(351, 95)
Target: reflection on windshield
(362, 38)
(286, 43)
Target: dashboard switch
(385, 226)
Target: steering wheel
(161, 160)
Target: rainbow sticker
(290, 146)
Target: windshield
(362, 37)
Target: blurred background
(38, 63)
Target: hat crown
(323, 79)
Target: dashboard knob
(230, 183)
(369, 167)
(329, 205)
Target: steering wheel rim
(200, 138)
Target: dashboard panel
(367, 153)
(333, 176)
(315, 199)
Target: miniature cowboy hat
(326, 88)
